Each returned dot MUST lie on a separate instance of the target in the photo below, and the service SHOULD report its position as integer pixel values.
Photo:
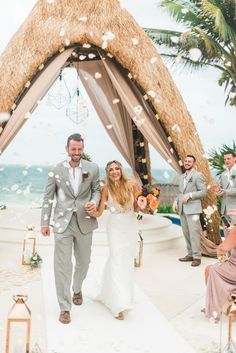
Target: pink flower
(142, 202)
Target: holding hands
(90, 208)
(217, 189)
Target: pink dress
(221, 282)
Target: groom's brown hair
(75, 137)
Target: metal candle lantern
(29, 246)
(19, 313)
(138, 260)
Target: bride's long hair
(121, 193)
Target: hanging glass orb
(59, 95)
(77, 109)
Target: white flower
(82, 57)
(50, 174)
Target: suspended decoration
(59, 95)
(74, 104)
(77, 110)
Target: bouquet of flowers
(147, 200)
(35, 260)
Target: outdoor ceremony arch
(116, 61)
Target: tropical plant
(165, 209)
(208, 40)
(216, 157)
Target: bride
(122, 231)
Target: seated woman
(221, 277)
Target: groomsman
(192, 188)
(227, 186)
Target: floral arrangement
(147, 199)
(35, 260)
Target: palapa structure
(58, 33)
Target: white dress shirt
(75, 177)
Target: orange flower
(150, 197)
(154, 205)
(156, 191)
(137, 194)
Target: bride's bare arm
(102, 203)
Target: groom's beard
(76, 159)
(188, 169)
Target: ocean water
(24, 185)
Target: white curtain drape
(150, 127)
(34, 94)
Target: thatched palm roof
(38, 39)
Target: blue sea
(24, 185)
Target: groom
(76, 187)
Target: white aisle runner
(94, 330)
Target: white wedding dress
(117, 284)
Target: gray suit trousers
(191, 230)
(71, 239)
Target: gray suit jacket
(229, 185)
(197, 186)
(59, 186)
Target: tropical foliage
(209, 38)
(216, 157)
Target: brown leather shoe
(196, 262)
(64, 317)
(77, 298)
(186, 258)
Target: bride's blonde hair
(123, 193)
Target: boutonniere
(85, 175)
(233, 176)
(190, 180)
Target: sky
(42, 139)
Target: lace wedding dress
(117, 281)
